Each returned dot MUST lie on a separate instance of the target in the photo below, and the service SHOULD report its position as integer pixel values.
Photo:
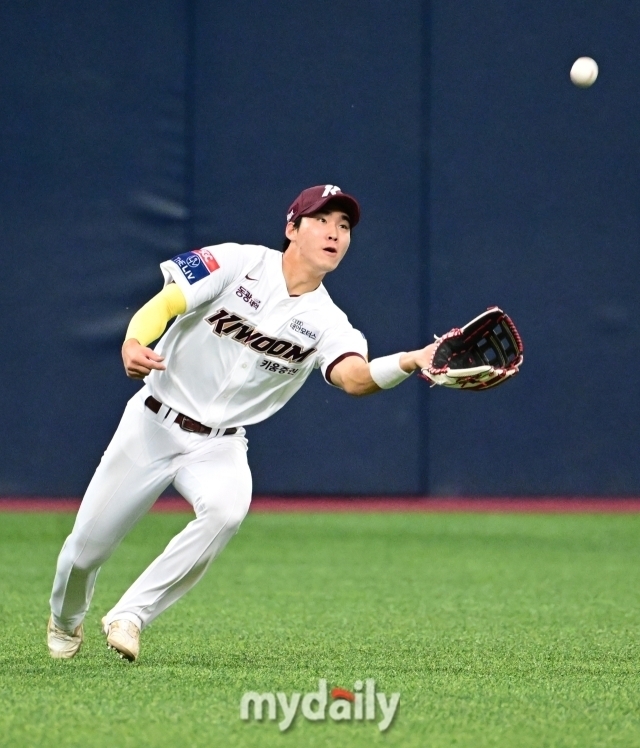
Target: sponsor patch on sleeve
(196, 265)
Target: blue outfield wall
(534, 205)
(130, 134)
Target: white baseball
(584, 72)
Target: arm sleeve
(150, 321)
(339, 343)
(204, 273)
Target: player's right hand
(138, 360)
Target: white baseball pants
(147, 453)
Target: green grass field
(497, 630)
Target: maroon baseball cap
(310, 201)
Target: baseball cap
(310, 201)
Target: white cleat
(62, 644)
(123, 637)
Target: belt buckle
(188, 424)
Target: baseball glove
(485, 353)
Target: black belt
(186, 423)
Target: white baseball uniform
(241, 350)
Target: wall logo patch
(196, 265)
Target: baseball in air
(584, 72)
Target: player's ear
(290, 231)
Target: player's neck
(298, 275)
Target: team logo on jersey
(228, 324)
(196, 265)
(297, 325)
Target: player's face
(323, 239)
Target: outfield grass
(498, 630)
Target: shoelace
(65, 634)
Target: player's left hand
(485, 353)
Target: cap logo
(330, 189)
(290, 215)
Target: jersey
(244, 346)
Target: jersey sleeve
(338, 343)
(203, 274)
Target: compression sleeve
(150, 321)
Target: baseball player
(252, 323)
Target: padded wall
(130, 133)
(92, 188)
(534, 205)
(330, 94)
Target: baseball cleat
(62, 644)
(123, 637)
